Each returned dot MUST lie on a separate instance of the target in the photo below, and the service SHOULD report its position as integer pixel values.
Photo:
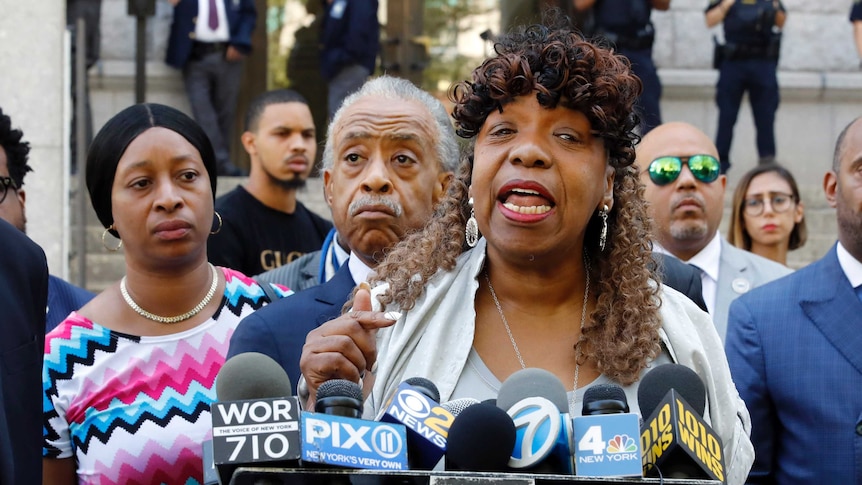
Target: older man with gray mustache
(680, 168)
(389, 157)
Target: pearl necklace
(179, 318)
(577, 346)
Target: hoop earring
(603, 236)
(218, 229)
(105, 243)
(471, 231)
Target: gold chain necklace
(577, 346)
(179, 318)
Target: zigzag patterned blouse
(135, 410)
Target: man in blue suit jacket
(23, 295)
(208, 41)
(795, 349)
(389, 156)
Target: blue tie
(859, 291)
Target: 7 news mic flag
(676, 441)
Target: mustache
(697, 198)
(370, 201)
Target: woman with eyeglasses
(768, 215)
(129, 378)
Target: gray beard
(688, 230)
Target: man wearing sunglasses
(680, 168)
(63, 297)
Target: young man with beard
(263, 225)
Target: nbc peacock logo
(622, 443)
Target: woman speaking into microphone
(128, 379)
(539, 256)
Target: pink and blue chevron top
(134, 409)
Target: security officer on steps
(626, 24)
(747, 61)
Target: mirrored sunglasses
(664, 170)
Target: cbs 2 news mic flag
(606, 445)
(353, 443)
(426, 421)
(676, 437)
(256, 431)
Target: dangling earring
(219, 223)
(471, 231)
(603, 236)
(105, 243)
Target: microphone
(457, 406)
(334, 435)
(426, 421)
(481, 439)
(537, 403)
(339, 397)
(255, 420)
(676, 441)
(606, 434)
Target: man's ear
(327, 186)
(442, 185)
(247, 138)
(830, 187)
(22, 197)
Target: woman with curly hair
(539, 255)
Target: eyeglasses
(664, 170)
(5, 184)
(779, 202)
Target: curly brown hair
(563, 68)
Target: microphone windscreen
(532, 382)
(251, 375)
(604, 399)
(480, 439)
(657, 382)
(426, 387)
(457, 406)
(339, 388)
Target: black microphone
(481, 439)
(604, 399)
(606, 434)
(676, 441)
(414, 404)
(255, 420)
(339, 397)
(539, 407)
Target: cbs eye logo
(414, 403)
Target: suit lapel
(834, 309)
(732, 282)
(335, 292)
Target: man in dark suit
(682, 277)
(795, 349)
(389, 156)
(23, 296)
(208, 41)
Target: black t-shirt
(255, 238)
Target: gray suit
(300, 274)
(740, 271)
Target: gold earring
(219, 223)
(105, 244)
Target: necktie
(859, 291)
(213, 17)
